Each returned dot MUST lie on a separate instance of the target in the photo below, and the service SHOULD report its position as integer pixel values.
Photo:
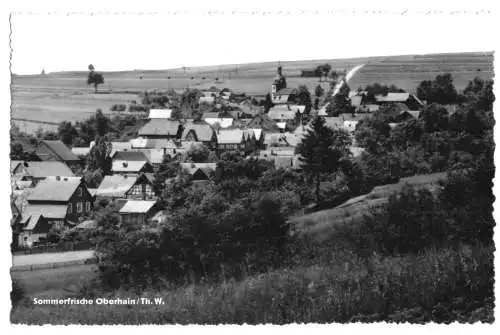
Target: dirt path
(50, 258)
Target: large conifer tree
(321, 150)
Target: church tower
(279, 83)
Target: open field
(65, 96)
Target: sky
(112, 42)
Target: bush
(17, 294)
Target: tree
(100, 156)
(303, 97)
(67, 132)
(94, 78)
(268, 103)
(440, 90)
(198, 153)
(102, 123)
(319, 91)
(480, 93)
(321, 151)
(341, 103)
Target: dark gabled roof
(137, 156)
(160, 127)
(61, 150)
(204, 132)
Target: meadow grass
(452, 284)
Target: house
(408, 99)
(131, 167)
(231, 139)
(207, 99)
(138, 211)
(160, 113)
(200, 132)
(125, 187)
(199, 171)
(161, 128)
(283, 96)
(28, 174)
(63, 201)
(210, 115)
(351, 120)
(35, 229)
(282, 113)
(57, 151)
(281, 140)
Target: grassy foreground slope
(449, 284)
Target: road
(51, 258)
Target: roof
(160, 113)
(81, 151)
(223, 122)
(355, 117)
(154, 156)
(137, 206)
(121, 146)
(14, 165)
(286, 91)
(392, 97)
(204, 132)
(230, 136)
(116, 186)
(192, 167)
(281, 139)
(281, 113)
(47, 168)
(52, 189)
(61, 150)
(128, 166)
(299, 108)
(257, 132)
(48, 211)
(160, 127)
(210, 115)
(207, 99)
(137, 156)
(33, 219)
(281, 125)
(92, 191)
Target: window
(79, 207)
(88, 206)
(70, 208)
(80, 192)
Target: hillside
(319, 224)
